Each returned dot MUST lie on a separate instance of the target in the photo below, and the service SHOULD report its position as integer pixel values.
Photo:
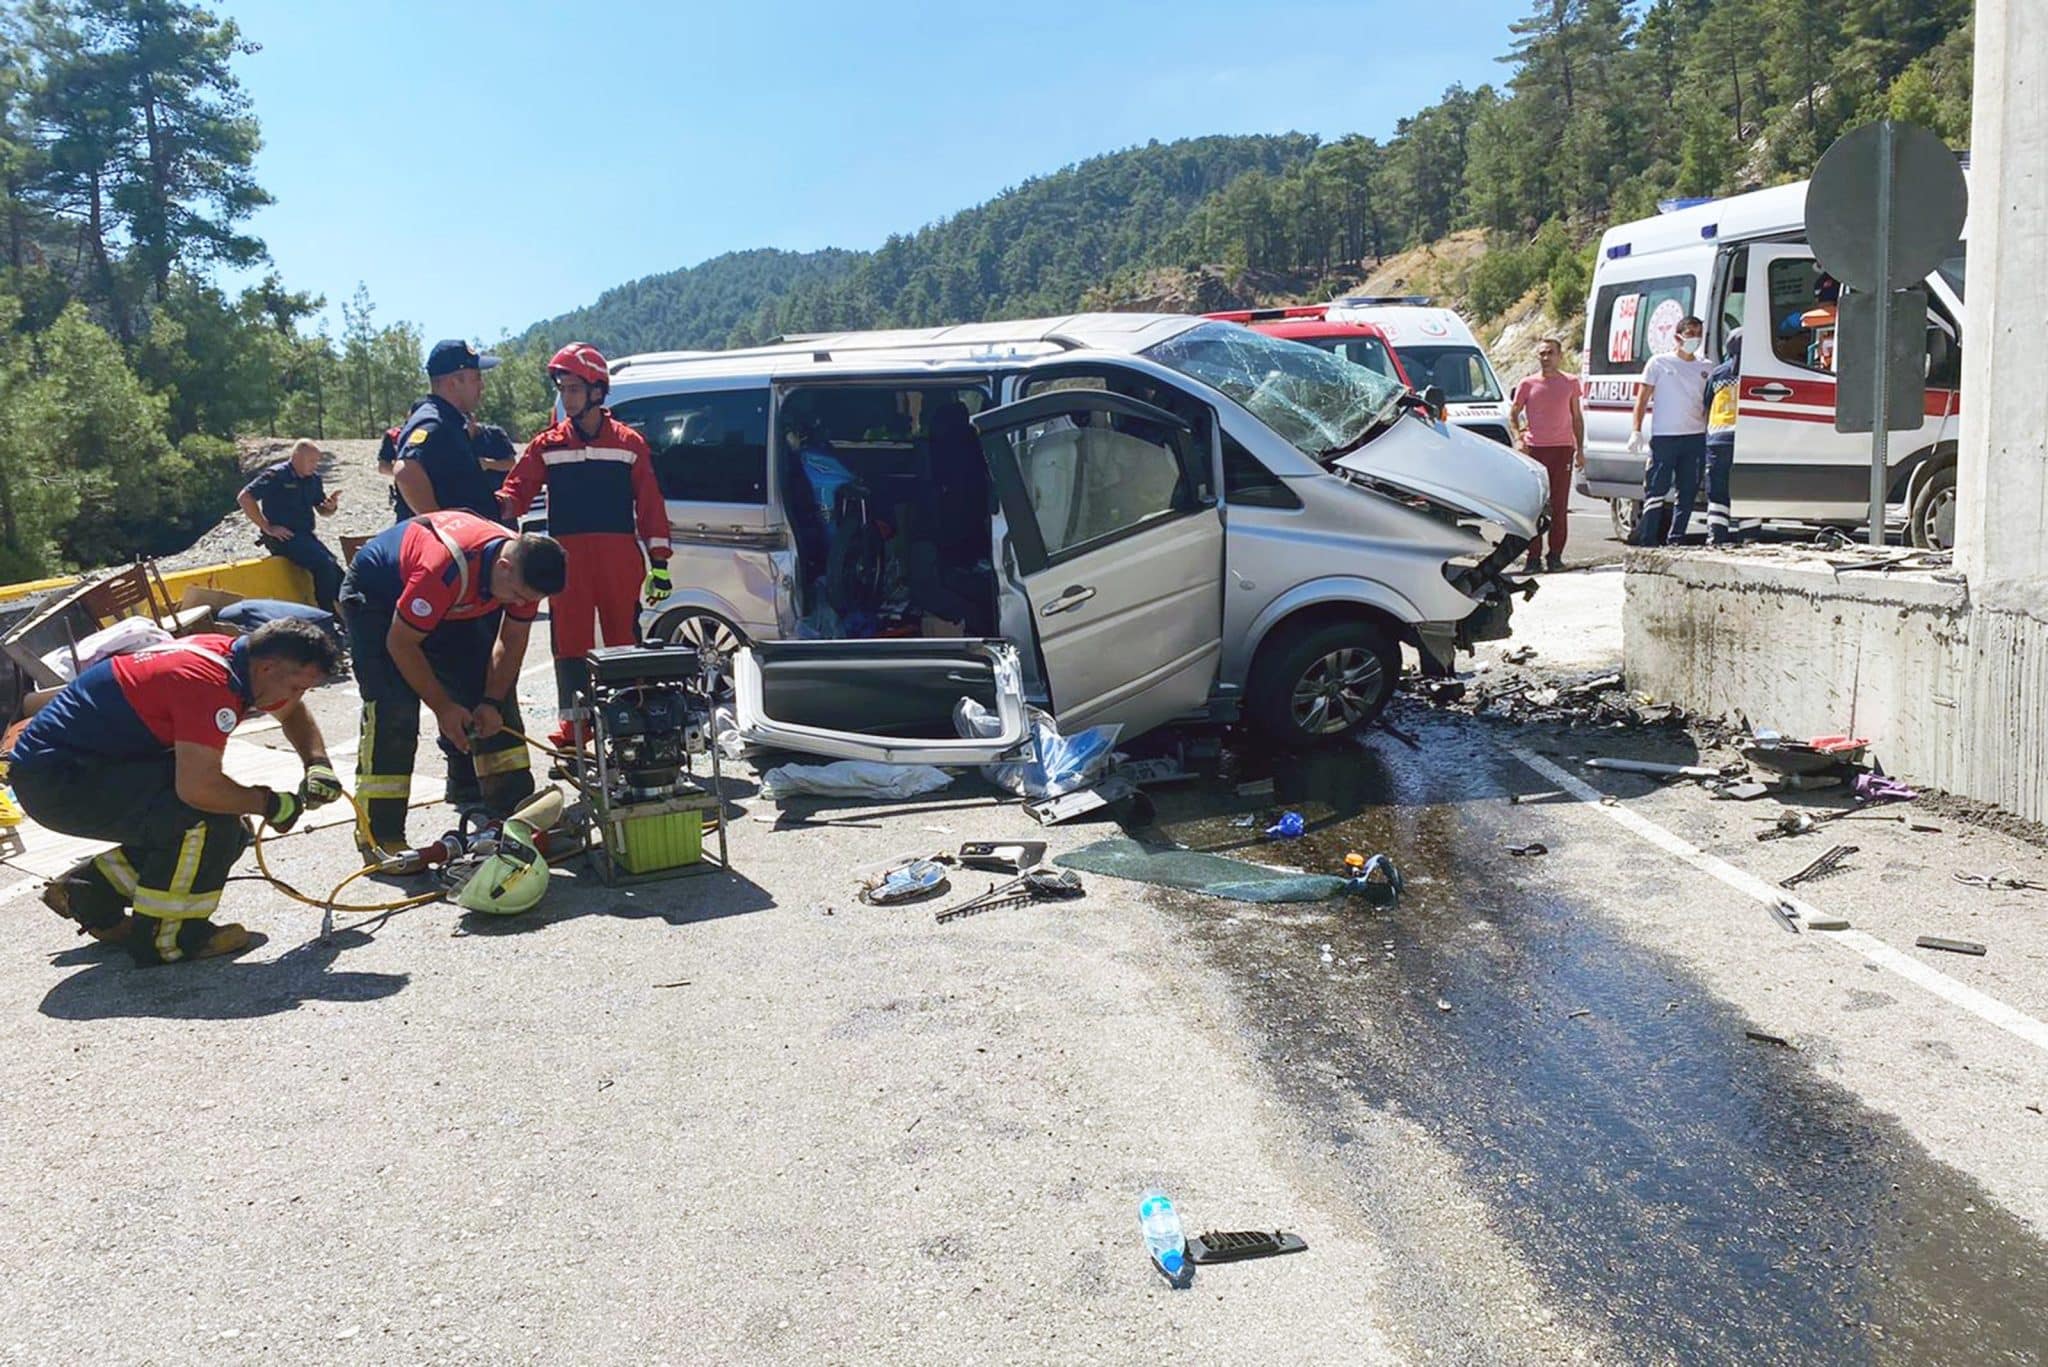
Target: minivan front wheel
(1321, 685)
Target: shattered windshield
(1321, 403)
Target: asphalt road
(1520, 1117)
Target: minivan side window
(1634, 321)
(709, 447)
(1093, 481)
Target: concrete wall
(2002, 465)
(1950, 694)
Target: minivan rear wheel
(1322, 684)
(1624, 513)
(705, 631)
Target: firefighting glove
(657, 587)
(282, 810)
(320, 786)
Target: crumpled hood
(1455, 467)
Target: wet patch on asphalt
(1691, 1192)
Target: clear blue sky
(480, 167)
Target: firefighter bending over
(438, 609)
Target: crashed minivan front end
(1469, 507)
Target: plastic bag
(1061, 764)
(725, 734)
(853, 778)
(124, 637)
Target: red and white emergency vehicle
(1744, 262)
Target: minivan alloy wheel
(1337, 691)
(706, 631)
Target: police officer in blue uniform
(281, 501)
(438, 467)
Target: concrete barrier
(1951, 695)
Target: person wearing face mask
(1673, 392)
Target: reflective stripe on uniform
(167, 941)
(179, 902)
(115, 868)
(369, 783)
(166, 906)
(582, 454)
(504, 761)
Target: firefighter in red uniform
(605, 505)
(130, 752)
(438, 608)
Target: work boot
(1554, 564)
(196, 939)
(375, 851)
(108, 925)
(1532, 566)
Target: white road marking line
(1978, 1004)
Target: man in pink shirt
(1550, 428)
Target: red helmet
(583, 361)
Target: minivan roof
(964, 343)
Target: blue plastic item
(1159, 1222)
(1289, 827)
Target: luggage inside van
(888, 502)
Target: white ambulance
(1744, 262)
(1436, 348)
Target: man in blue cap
(437, 467)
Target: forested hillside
(126, 183)
(1032, 249)
(701, 306)
(1606, 108)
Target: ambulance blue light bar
(1617, 251)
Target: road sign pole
(1880, 374)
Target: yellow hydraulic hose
(331, 902)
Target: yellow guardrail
(265, 576)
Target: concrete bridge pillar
(2002, 459)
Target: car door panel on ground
(1117, 543)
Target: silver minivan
(1130, 518)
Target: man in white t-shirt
(1673, 391)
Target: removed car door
(890, 701)
(1116, 542)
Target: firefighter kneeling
(438, 609)
(130, 751)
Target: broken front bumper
(1488, 582)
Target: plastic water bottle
(1160, 1224)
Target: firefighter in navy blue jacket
(130, 752)
(437, 466)
(438, 610)
(281, 502)
(604, 506)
